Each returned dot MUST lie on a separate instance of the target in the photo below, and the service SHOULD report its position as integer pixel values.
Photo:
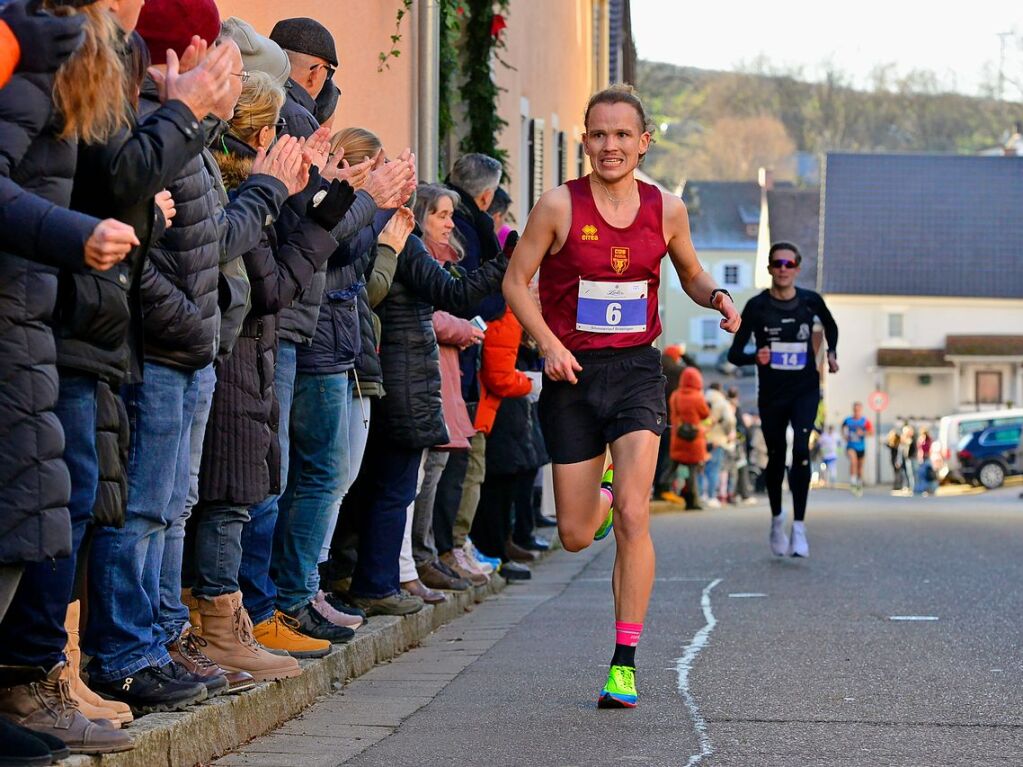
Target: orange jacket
(498, 376)
(10, 52)
(688, 405)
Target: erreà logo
(590, 233)
(619, 259)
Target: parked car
(987, 457)
(953, 428)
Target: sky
(854, 36)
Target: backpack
(687, 431)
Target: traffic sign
(878, 401)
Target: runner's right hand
(561, 365)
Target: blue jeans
(387, 487)
(319, 468)
(712, 470)
(259, 592)
(123, 634)
(173, 613)
(32, 633)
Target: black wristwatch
(720, 290)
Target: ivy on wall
(470, 39)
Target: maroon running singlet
(600, 290)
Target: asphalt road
(747, 659)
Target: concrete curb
(209, 730)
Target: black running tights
(775, 417)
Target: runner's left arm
(830, 331)
(697, 283)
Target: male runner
(601, 239)
(780, 319)
(855, 430)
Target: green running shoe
(620, 690)
(606, 481)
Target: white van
(952, 428)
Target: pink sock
(606, 492)
(627, 633)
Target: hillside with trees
(725, 125)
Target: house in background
(921, 263)
(790, 214)
(724, 217)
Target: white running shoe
(712, 503)
(779, 541)
(799, 546)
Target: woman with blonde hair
(240, 463)
(42, 119)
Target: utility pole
(1002, 37)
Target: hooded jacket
(688, 405)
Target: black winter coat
(180, 277)
(241, 454)
(515, 443)
(337, 342)
(99, 328)
(409, 355)
(367, 366)
(34, 481)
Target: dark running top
(600, 290)
(786, 327)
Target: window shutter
(562, 157)
(536, 160)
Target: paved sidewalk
(371, 708)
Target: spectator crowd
(259, 383)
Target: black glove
(45, 40)
(509, 243)
(327, 210)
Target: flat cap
(307, 36)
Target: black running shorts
(619, 391)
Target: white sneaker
(712, 503)
(779, 541)
(799, 547)
(468, 553)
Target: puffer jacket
(34, 481)
(688, 405)
(241, 453)
(180, 278)
(337, 342)
(499, 377)
(99, 327)
(411, 411)
(299, 321)
(112, 443)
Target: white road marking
(746, 595)
(683, 666)
(913, 618)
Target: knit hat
(306, 36)
(259, 53)
(170, 24)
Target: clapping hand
(286, 162)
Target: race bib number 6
(612, 307)
(788, 356)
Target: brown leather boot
(45, 705)
(227, 629)
(89, 703)
(188, 652)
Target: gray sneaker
(401, 603)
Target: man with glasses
(310, 49)
(781, 319)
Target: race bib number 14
(788, 356)
(612, 307)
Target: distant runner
(601, 239)
(855, 430)
(780, 319)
